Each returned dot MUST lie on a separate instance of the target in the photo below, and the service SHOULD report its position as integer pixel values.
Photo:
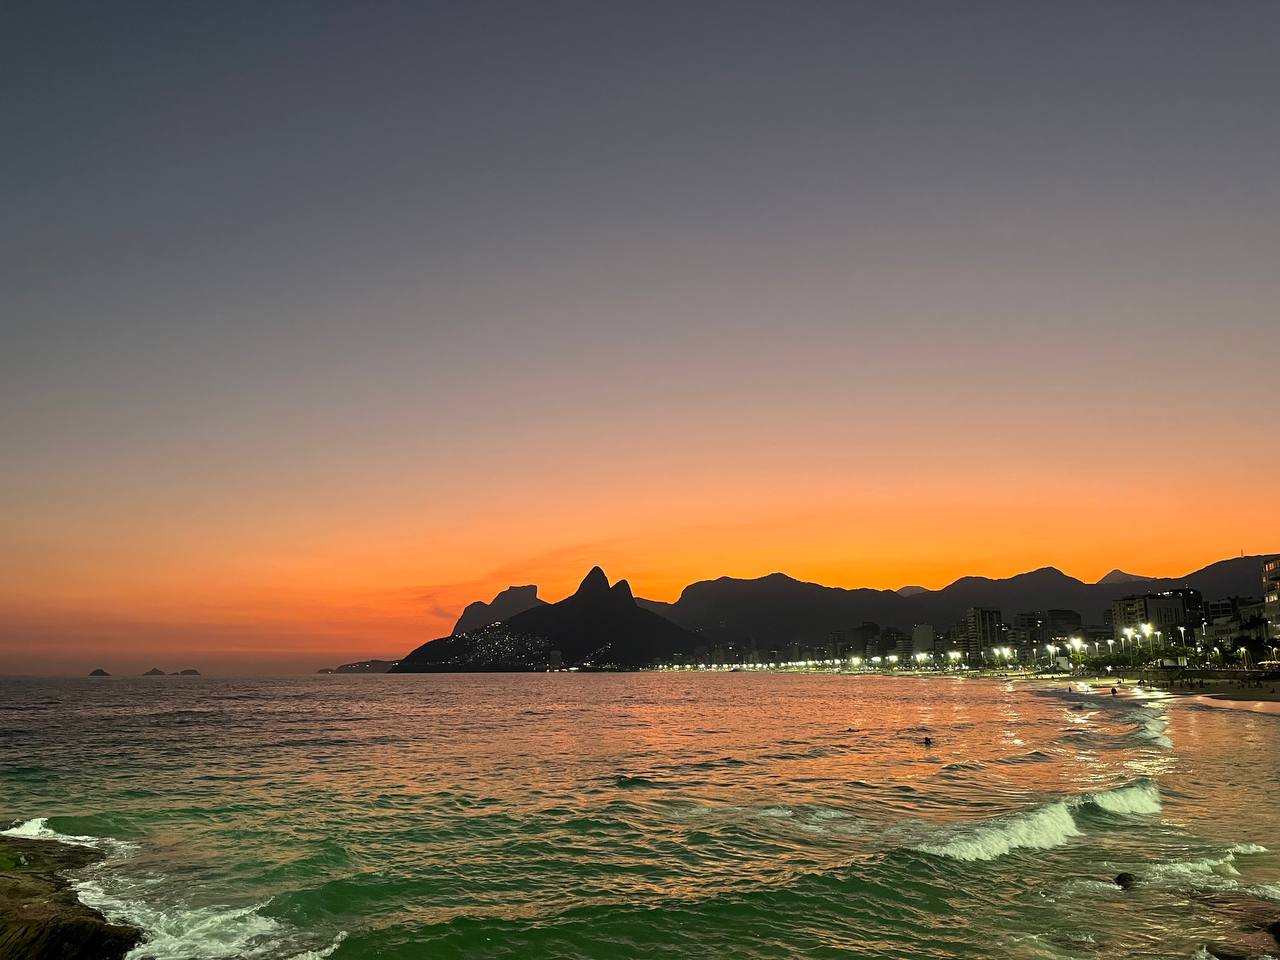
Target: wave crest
(1048, 826)
(1137, 798)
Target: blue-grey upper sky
(308, 280)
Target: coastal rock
(189, 672)
(1220, 951)
(40, 917)
(154, 672)
(366, 666)
(99, 673)
(1125, 880)
(507, 604)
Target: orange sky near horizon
(306, 588)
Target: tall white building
(1271, 595)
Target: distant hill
(504, 606)
(154, 672)
(363, 666)
(1119, 576)
(598, 626)
(779, 609)
(911, 591)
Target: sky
(320, 321)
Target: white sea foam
(39, 829)
(172, 931)
(781, 812)
(1153, 727)
(1248, 848)
(1048, 826)
(1137, 798)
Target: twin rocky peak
(599, 625)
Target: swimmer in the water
(928, 741)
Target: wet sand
(1215, 693)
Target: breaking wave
(1153, 727)
(1045, 827)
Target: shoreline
(41, 918)
(1222, 694)
(1216, 693)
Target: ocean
(648, 815)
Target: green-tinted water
(647, 815)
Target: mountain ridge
(607, 621)
(777, 608)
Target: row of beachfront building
(1178, 623)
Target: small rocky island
(99, 673)
(189, 672)
(40, 917)
(154, 672)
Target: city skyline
(321, 324)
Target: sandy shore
(1214, 693)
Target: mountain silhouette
(778, 609)
(504, 606)
(1119, 576)
(598, 626)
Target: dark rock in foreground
(99, 673)
(40, 917)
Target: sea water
(647, 815)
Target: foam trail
(39, 829)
